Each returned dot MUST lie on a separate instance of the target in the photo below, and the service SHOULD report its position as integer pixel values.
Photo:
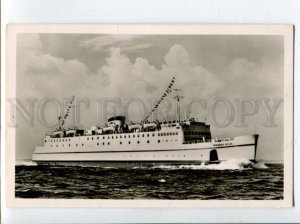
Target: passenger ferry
(118, 143)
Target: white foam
(260, 165)
(233, 164)
(25, 163)
(162, 180)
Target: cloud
(102, 42)
(105, 42)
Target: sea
(228, 180)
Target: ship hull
(197, 153)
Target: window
(76, 145)
(129, 142)
(147, 135)
(45, 140)
(112, 137)
(116, 137)
(56, 145)
(120, 143)
(153, 134)
(138, 142)
(87, 138)
(142, 135)
(97, 138)
(167, 140)
(108, 143)
(158, 141)
(138, 136)
(82, 144)
(158, 134)
(103, 137)
(103, 143)
(128, 136)
(120, 136)
(92, 138)
(124, 136)
(148, 141)
(133, 136)
(97, 143)
(69, 145)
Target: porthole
(120, 143)
(129, 142)
(82, 144)
(133, 136)
(138, 142)
(128, 136)
(120, 136)
(92, 138)
(107, 137)
(153, 135)
(97, 143)
(103, 137)
(112, 137)
(147, 135)
(158, 141)
(108, 143)
(103, 143)
(97, 138)
(76, 145)
(142, 135)
(116, 137)
(45, 140)
(69, 145)
(87, 138)
(138, 136)
(148, 141)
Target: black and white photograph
(150, 115)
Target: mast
(177, 98)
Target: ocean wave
(233, 164)
(25, 163)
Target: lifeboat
(58, 134)
(110, 128)
(70, 133)
(150, 126)
(134, 127)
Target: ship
(145, 143)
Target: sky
(206, 67)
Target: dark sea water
(228, 180)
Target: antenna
(177, 98)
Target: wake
(233, 164)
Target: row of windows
(168, 133)
(108, 143)
(196, 133)
(116, 137)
